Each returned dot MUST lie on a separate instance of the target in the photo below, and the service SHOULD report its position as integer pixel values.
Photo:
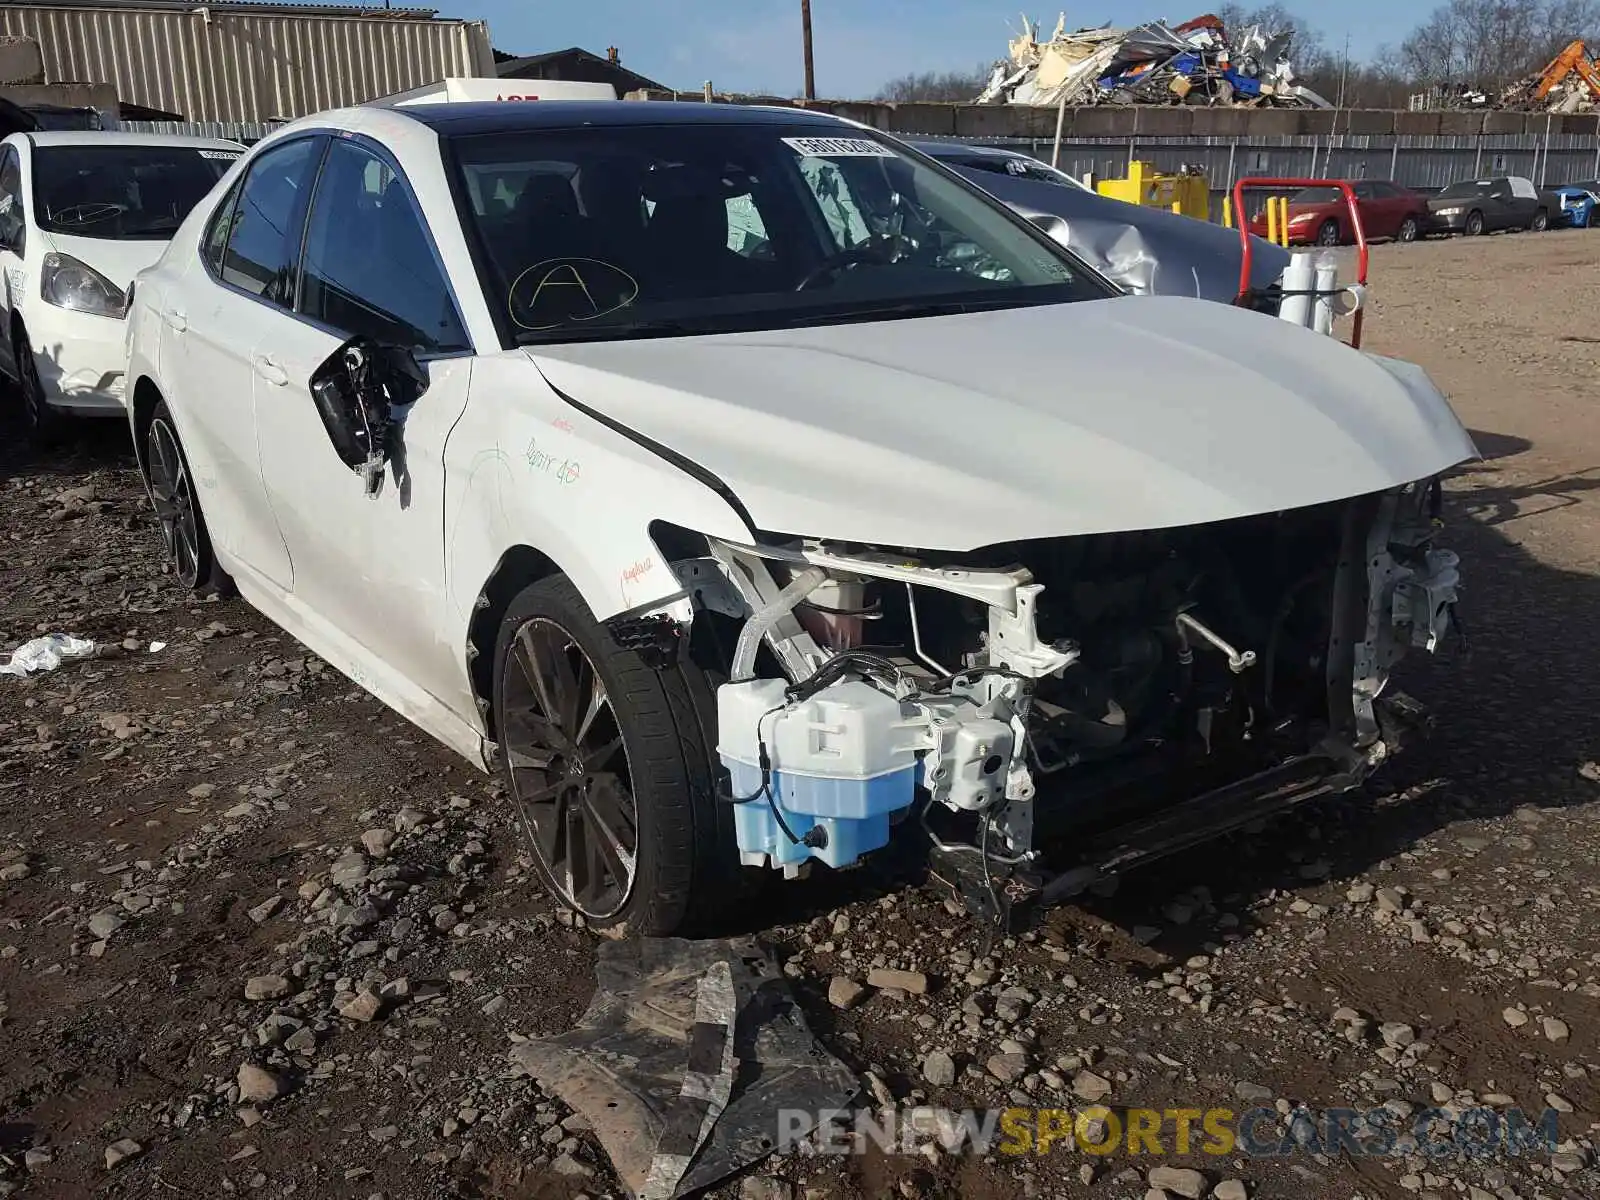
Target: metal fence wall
(238, 131)
(229, 66)
(1425, 164)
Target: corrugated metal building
(239, 60)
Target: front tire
(44, 424)
(1408, 230)
(608, 764)
(1328, 235)
(1474, 225)
(184, 534)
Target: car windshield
(1316, 195)
(678, 229)
(1027, 168)
(122, 192)
(1458, 191)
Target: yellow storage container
(1186, 194)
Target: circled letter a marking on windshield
(553, 278)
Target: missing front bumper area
(1009, 896)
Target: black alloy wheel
(569, 771)
(172, 494)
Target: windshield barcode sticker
(223, 155)
(815, 147)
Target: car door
(369, 569)
(212, 318)
(1373, 216)
(13, 249)
(1502, 206)
(1523, 200)
(1394, 203)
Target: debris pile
(1569, 84)
(1196, 62)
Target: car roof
(107, 137)
(933, 147)
(494, 116)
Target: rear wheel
(608, 763)
(1474, 224)
(1328, 235)
(1540, 222)
(1408, 230)
(183, 529)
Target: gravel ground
(258, 936)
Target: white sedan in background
(80, 215)
(497, 408)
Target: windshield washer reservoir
(841, 762)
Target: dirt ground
(189, 906)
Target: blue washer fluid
(842, 762)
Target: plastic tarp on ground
(683, 1061)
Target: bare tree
(956, 86)
(1490, 43)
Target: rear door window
(215, 244)
(263, 254)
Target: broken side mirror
(363, 392)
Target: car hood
(118, 260)
(1146, 250)
(951, 433)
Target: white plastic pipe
(1298, 276)
(1327, 285)
(763, 619)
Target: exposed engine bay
(1117, 695)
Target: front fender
(526, 468)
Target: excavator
(1574, 60)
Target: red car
(1319, 216)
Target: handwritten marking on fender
(562, 470)
(628, 582)
(561, 423)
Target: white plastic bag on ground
(46, 654)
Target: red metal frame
(1349, 195)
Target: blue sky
(754, 45)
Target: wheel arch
(520, 566)
(143, 399)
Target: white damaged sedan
(752, 492)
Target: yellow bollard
(1227, 212)
(1272, 219)
(1177, 207)
(1283, 221)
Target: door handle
(176, 319)
(270, 371)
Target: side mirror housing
(363, 392)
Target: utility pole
(805, 35)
